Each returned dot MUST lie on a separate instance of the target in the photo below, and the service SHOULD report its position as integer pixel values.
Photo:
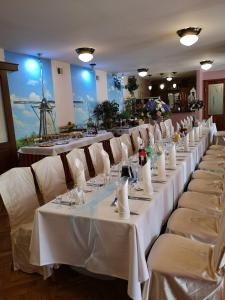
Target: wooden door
(214, 95)
(8, 153)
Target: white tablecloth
(93, 236)
(57, 149)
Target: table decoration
(156, 108)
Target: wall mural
(26, 92)
(115, 88)
(84, 93)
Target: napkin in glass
(161, 166)
(192, 136)
(186, 142)
(80, 173)
(106, 162)
(123, 203)
(124, 153)
(147, 179)
(172, 157)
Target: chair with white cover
(50, 176)
(216, 153)
(77, 154)
(180, 268)
(116, 149)
(135, 134)
(209, 157)
(198, 225)
(71, 157)
(207, 186)
(144, 135)
(208, 203)
(151, 128)
(19, 196)
(214, 166)
(217, 147)
(204, 174)
(125, 138)
(96, 157)
(157, 133)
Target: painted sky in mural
(113, 92)
(25, 86)
(84, 93)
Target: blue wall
(113, 92)
(25, 86)
(84, 91)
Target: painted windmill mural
(31, 94)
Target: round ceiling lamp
(189, 36)
(162, 86)
(169, 78)
(150, 87)
(85, 54)
(206, 64)
(174, 85)
(142, 72)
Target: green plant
(131, 85)
(106, 112)
(27, 141)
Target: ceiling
(126, 34)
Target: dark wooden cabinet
(8, 153)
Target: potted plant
(106, 113)
(131, 85)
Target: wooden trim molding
(5, 66)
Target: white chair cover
(216, 153)
(96, 157)
(214, 187)
(151, 129)
(144, 135)
(77, 154)
(213, 166)
(135, 134)
(207, 203)
(116, 149)
(125, 138)
(18, 193)
(203, 174)
(213, 157)
(79, 174)
(197, 226)
(181, 268)
(157, 133)
(50, 177)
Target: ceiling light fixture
(189, 36)
(206, 64)
(169, 78)
(150, 87)
(142, 72)
(162, 85)
(85, 54)
(174, 85)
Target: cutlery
(139, 198)
(95, 184)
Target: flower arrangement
(195, 105)
(156, 108)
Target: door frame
(205, 94)
(7, 149)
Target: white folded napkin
(172, 130)
(106, 162)
(200, 130)
(151, 139)
(124, 153)
(196, 133)
(186, 142)
(182, 123)
(178, 126)
(147, 178)
(192, 136)
(80, 173)
(158, 134)
(139, 142)
(161, 166)
(123, 203)
(172, 157)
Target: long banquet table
(93, 236)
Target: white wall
(2, 56)
(62, 86)
(101, 86)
